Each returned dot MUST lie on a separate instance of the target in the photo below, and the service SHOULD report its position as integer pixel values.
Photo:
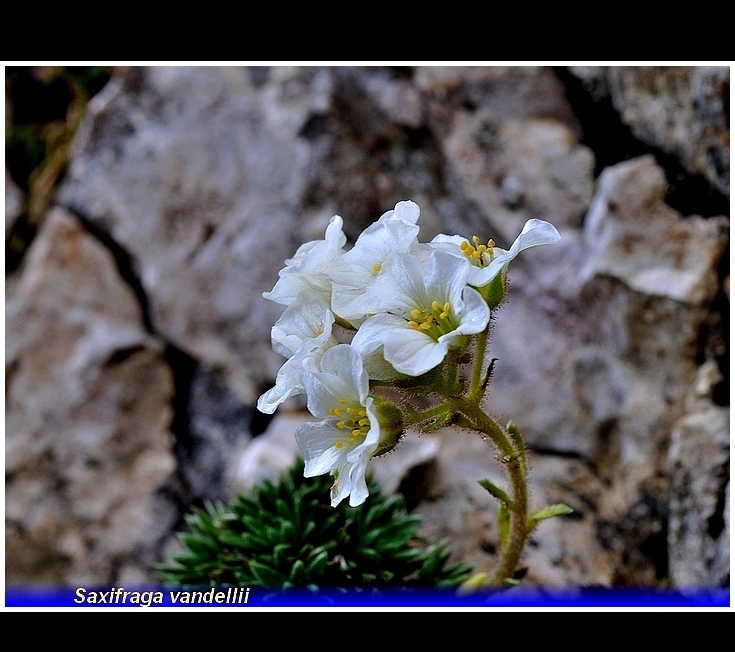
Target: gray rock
(513, 170)
(218, 428)
(187, 170)
(88, 452)
(682, 110)
(699, 489)
(562, 551)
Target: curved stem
(518, 525)
(515, 464)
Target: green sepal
(495, 292)
(560, 509)
(496, 492)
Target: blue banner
(246, 597)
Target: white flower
(487, 259)
(352, 273)
(425, 310)
(348, 434)
(303, 331)
(304, 273)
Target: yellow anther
(363, 422)
(482, 249)
(435, 306)
(444, 315)
(356, 432)
(335, 412)
(413, 324)
(475, 239)
(476, 255)
(490, 243)
(425, 326)
(318, 330)
(362, 412)
(342, 401)
(341, 424)
(416, 313)
(377, 267)
(464, 245)
(447, 307)
(339, 444)
(351, 410)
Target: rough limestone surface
(88, 452)
(684, 110)
(596, 357)
(699, 472)
(208, 178)
(561, 551)
(198, 176)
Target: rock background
(137, 340)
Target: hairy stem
(514, 461)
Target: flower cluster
(388, 308)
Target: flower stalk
(413, 320)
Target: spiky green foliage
(287, 535)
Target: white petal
(345, 362)
(535, 232)
(407, 210)
(408, 350)
(301, 321)
(446, 278)
(475, 314)
(317, 443)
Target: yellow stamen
(318, 330)
(341, 424)
(416, 313)
(335, 412)
(356, 432)
(339, 444)
(377, 267)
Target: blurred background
(147, 209)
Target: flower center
(353, 420)
(435, 322)
(479, 255)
